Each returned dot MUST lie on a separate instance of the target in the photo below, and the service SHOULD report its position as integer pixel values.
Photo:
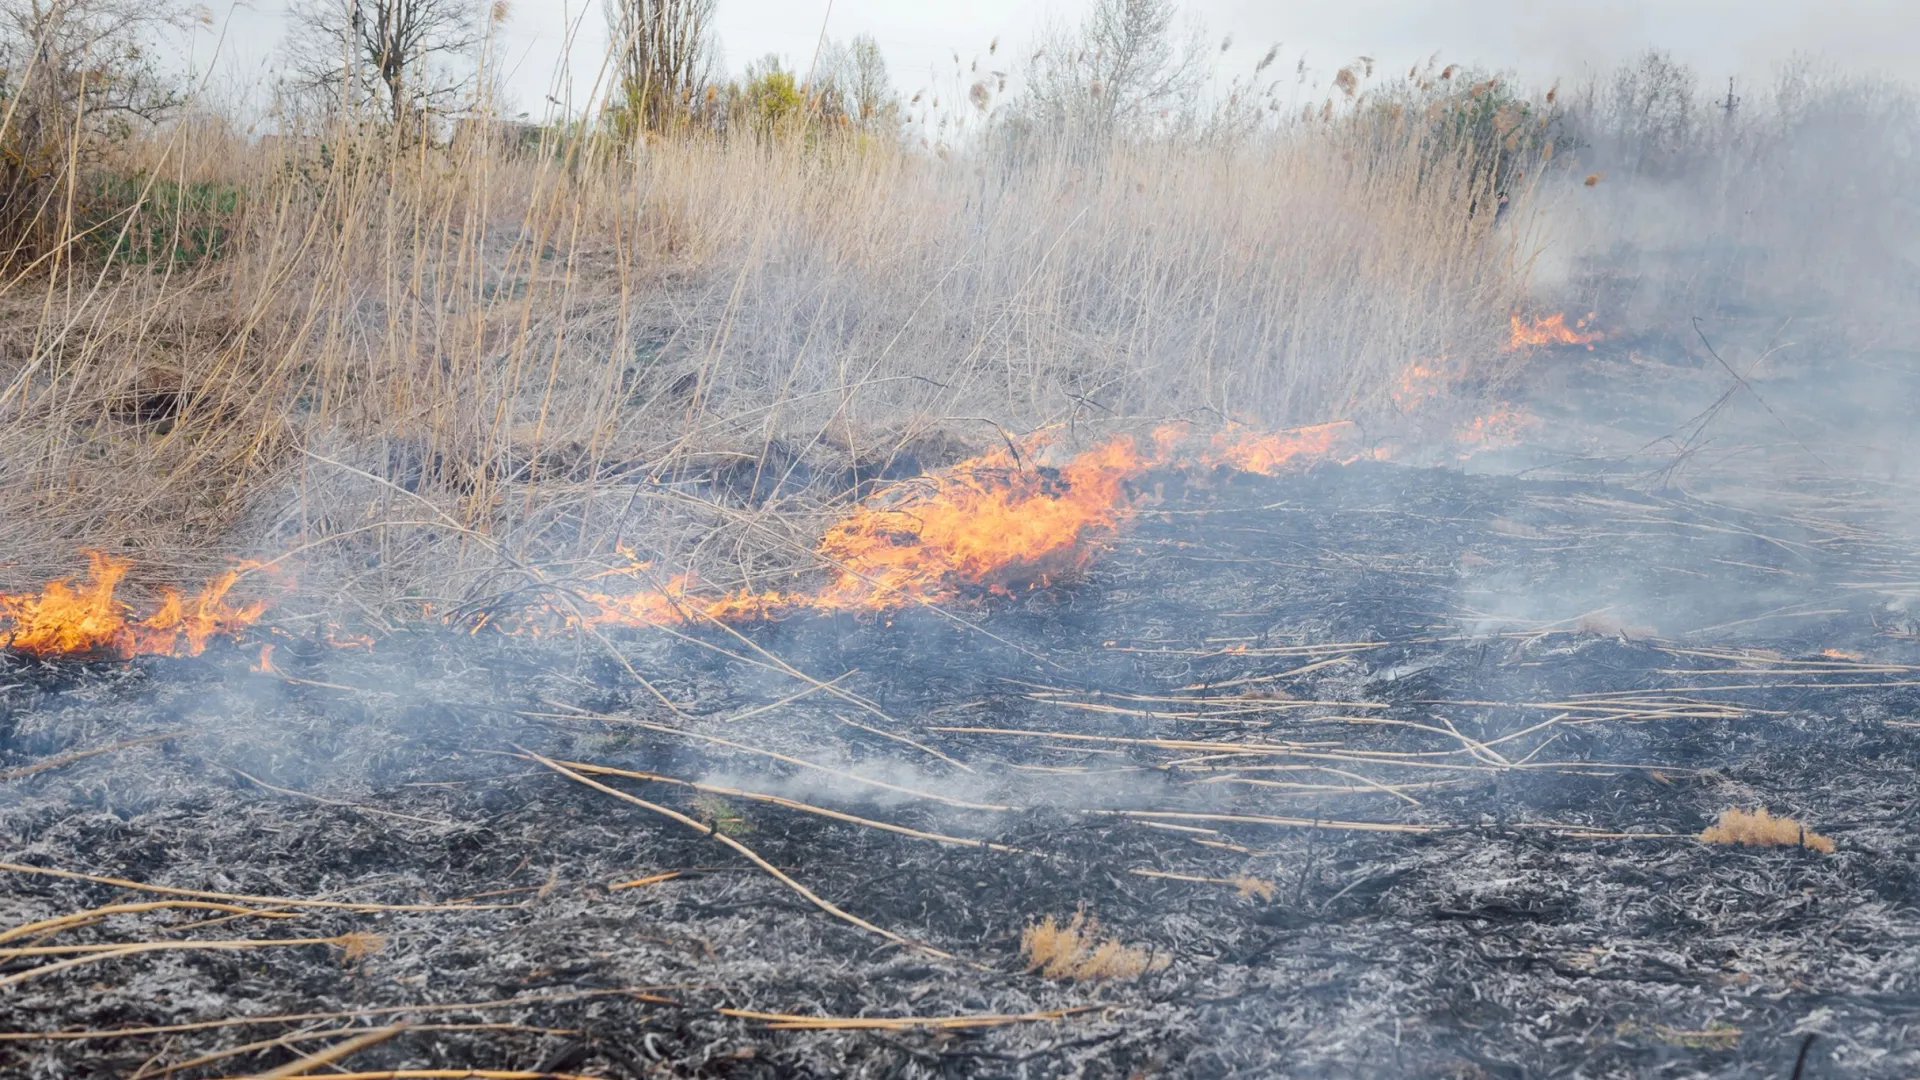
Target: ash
(1388, 771)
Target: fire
(1552, 330)
(997, 523)
(86, 618)
(1500, 427)
(1268, 455)
(1423, 381)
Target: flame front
(87, 618)
(997, 523)
(1552, 330)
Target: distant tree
(851, 82)
(403, 59)
(1125, 68)
(663, 55)
(771, 97)
(1648, 113)
(75, 75)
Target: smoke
(1544, 42)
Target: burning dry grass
(1077, 951)
(88, 619)
(422, 369)
(1758, 828)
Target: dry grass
(420, 368)
(1250, 887)
(1077, 951)
(1757, 828)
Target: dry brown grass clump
(1757, 828)
(1076, 951)
(1250, 887)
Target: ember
(1552, 330)
(1502, 426)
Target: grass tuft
(1757, 828)
(1076, 951)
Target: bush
(76, 77)
(138, 220)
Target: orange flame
(1500, 427)
(1552, 330)
(995, 523)
(66, 618)
(1423, 381)
(998, 523)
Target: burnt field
(1365, 769)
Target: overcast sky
(1539, 39)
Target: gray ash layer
(1510, 674)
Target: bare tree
(405, 59)
(866, 89)
(1650, 112)
(663, 52)
(1124, 69)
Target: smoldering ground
(1183, 744)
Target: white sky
(1540, 39)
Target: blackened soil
(1388, 772)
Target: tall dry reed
(447, 372)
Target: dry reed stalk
(1269, 819)
(1245, 885)
(94, 915)
(667, 729)
(336, 802)
(509, 335)
(642, 993)
(82, 755)
(751, 855)
(801, 1022)
(242, 898)
(334, 1033)
(330, 1054)
(795, 804)
(442, 1075)
(649, 879)
(352, 945)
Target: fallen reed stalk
(240, 898)
(640, 993)
(668, 729)
(329, 1054)
(353, 943)
(795, 804)
(442, 1075)
(373, 811)
(752, 856)
(95, 915)
(802, 1022)
(334, 1033)
(82, 755)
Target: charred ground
(1397, 769)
